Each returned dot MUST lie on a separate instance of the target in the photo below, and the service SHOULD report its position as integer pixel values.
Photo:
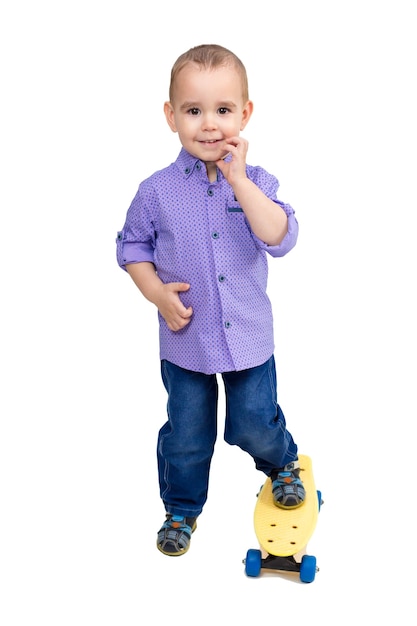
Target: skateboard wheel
(308, 568)
(253, 562)
(319, 498)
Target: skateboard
(283, 534)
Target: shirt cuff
(286, 244)
(132, 252)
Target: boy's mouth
(214, 145)
(210, 141)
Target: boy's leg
(256, 423)
(254, 420)
(186, 441)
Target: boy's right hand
(176, 315)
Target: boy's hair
(209, 57)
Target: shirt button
(221, 278)
(227, 324)
(210, 192)
(215, 235)
(187, 170)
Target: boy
(195, 243)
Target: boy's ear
(246, 113)
(169, 114)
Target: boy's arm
(268, 221)
(164, 296)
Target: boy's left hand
(234, 169)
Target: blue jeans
(254, 422)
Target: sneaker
(175, 535)
(287, 489)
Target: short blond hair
(209, 57)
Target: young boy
(195, 243)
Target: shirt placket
(219, 241)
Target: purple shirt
(194, 231)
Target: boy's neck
(211, 169)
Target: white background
(83, 85)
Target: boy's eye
(194, 111)
(223, 110)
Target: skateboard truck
(254, 563)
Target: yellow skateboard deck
(284, 533)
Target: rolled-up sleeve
(269, 184)
(135, 243)
(132, 252)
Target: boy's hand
(235, 169)
(170, 306)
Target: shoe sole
(180, 552)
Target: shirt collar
(188, 163)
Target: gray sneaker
(175, 534)
(287, 489)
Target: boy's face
(207, 110)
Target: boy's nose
(208, 122)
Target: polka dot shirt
(194, 231)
